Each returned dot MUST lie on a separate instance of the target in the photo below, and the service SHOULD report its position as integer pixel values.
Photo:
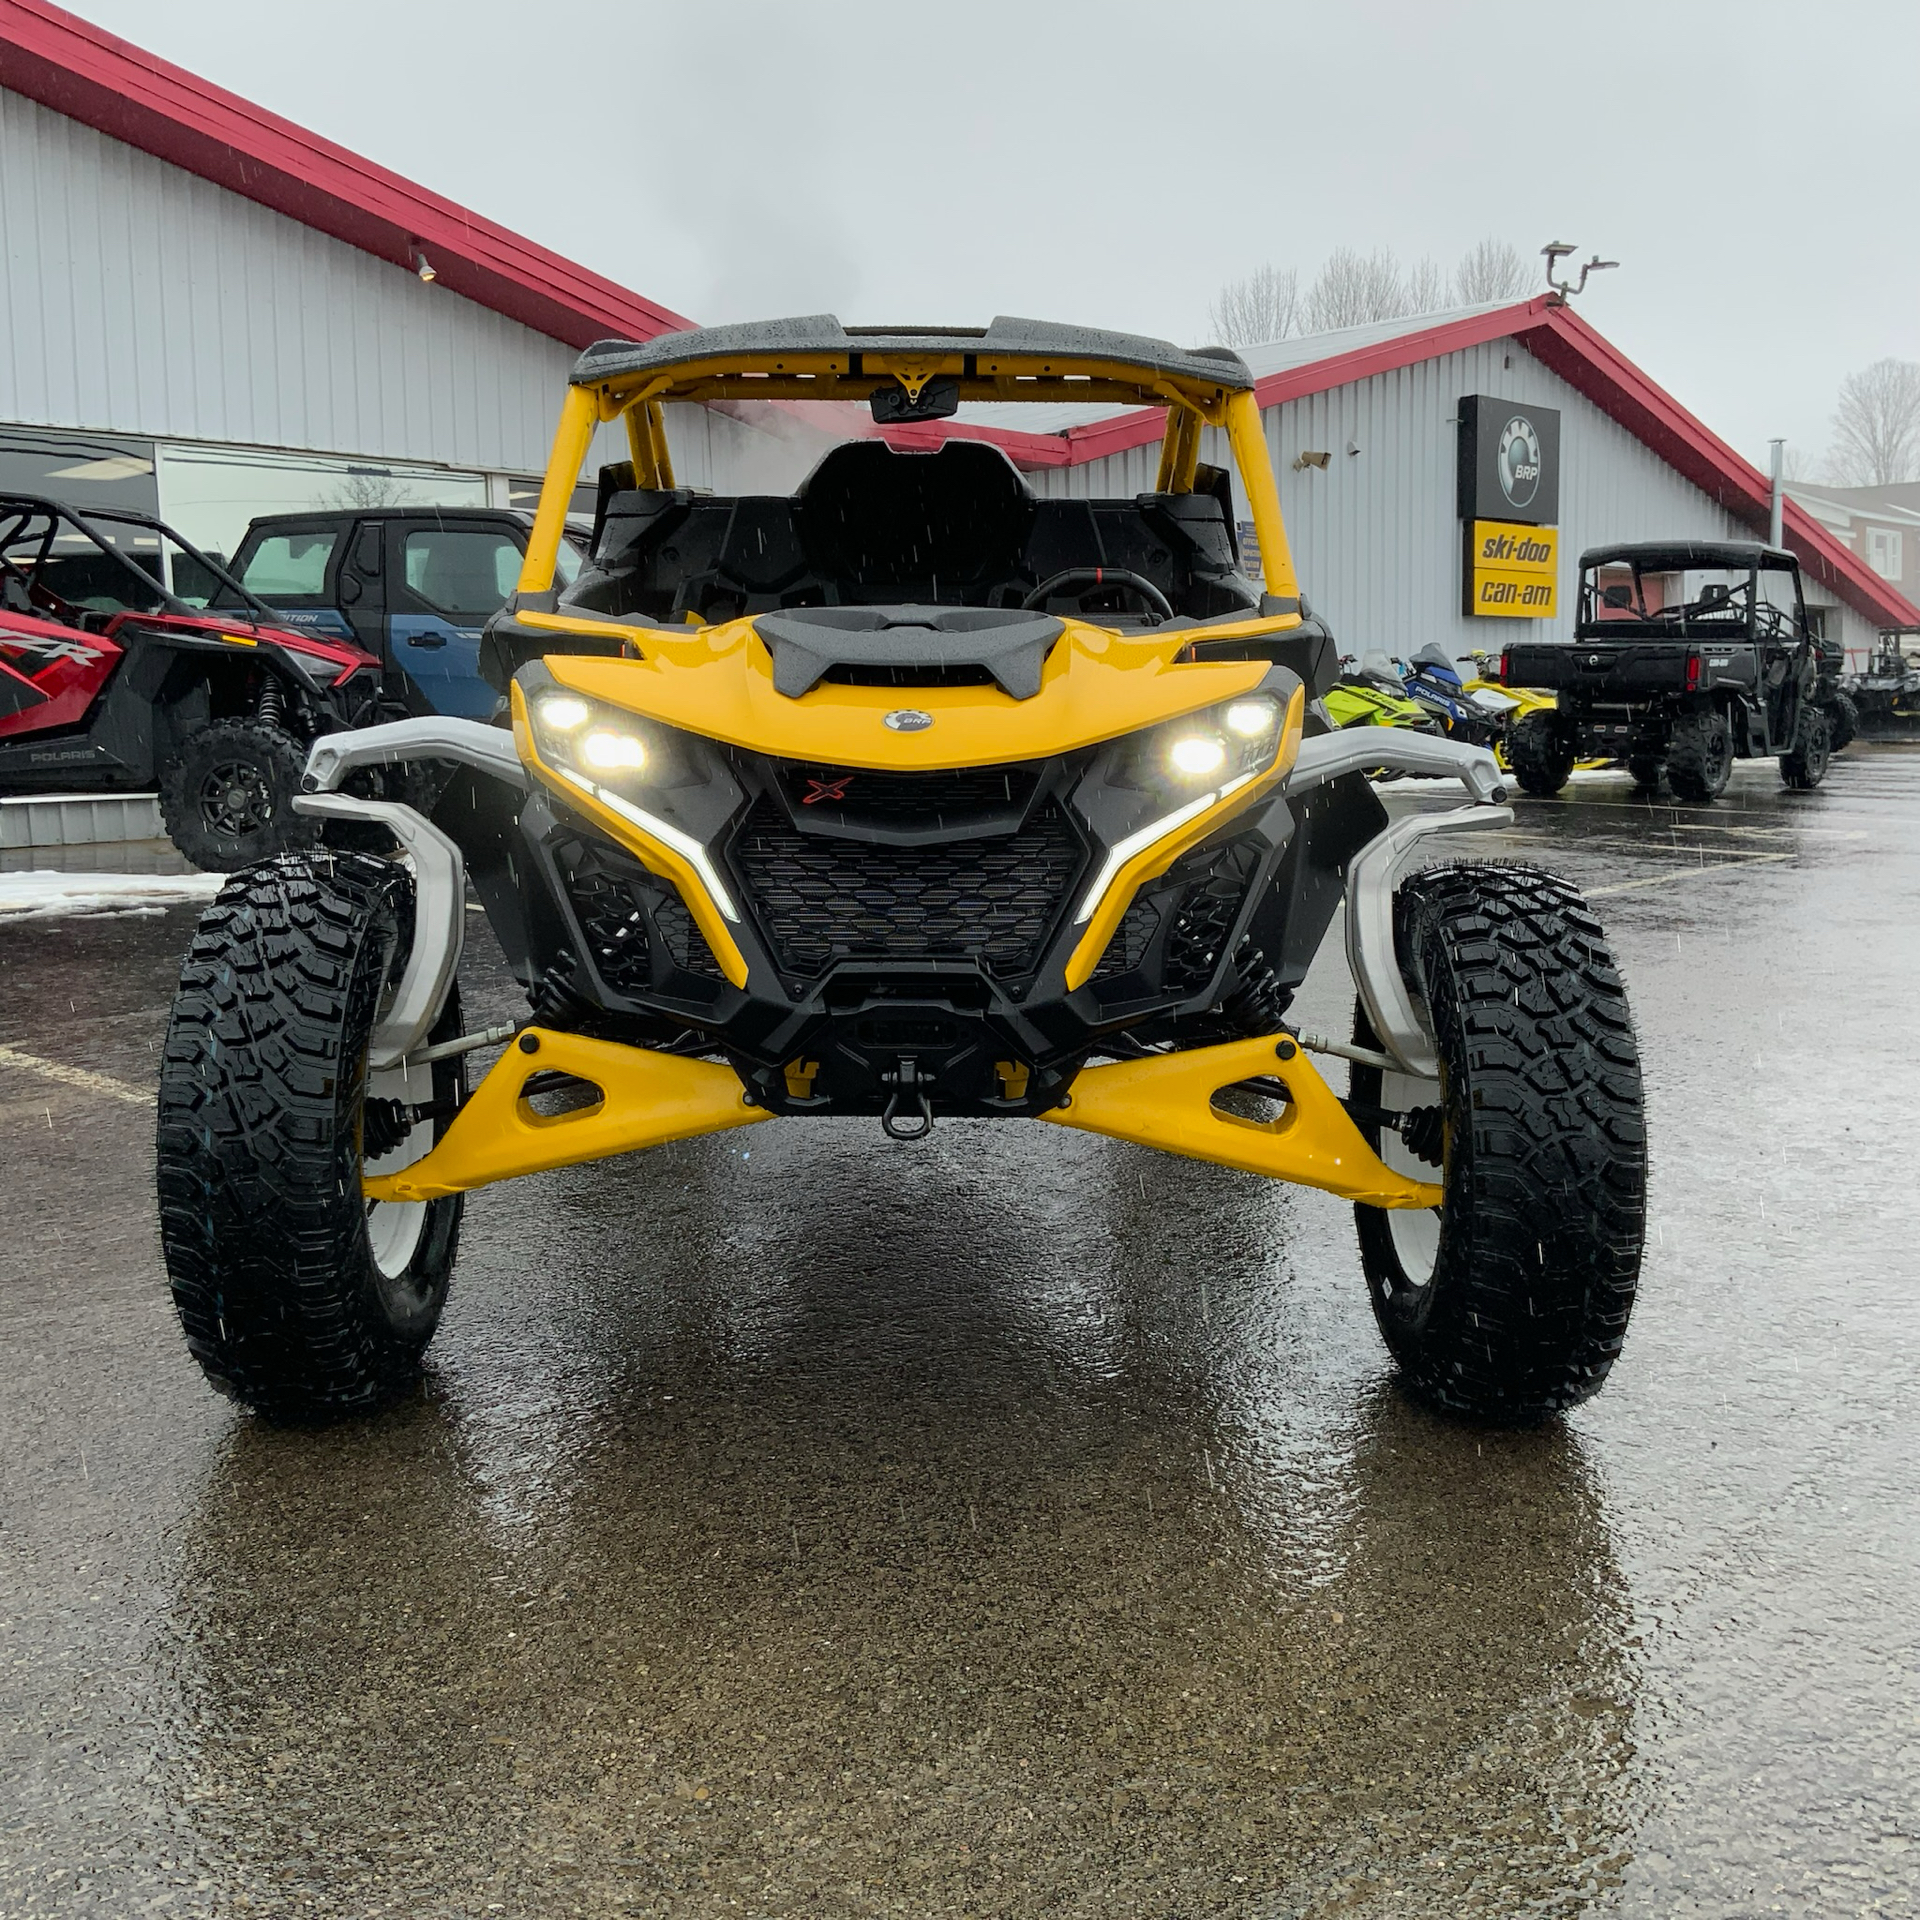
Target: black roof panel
(1650, 554)
(821, 333)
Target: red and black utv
(116, 675)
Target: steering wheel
(1089, 579)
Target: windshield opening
(874, 525)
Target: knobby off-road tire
(295, 1295)
(1804, 765)
(1843, 721)
(1700, 755)
(1541, 754)
(1509, 1302)
(1646, 773)
(227, 797)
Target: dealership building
(210, 312)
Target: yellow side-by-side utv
(913, 794)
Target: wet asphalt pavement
(798, 1523)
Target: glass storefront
(211, 493)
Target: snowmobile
(1369, 694)
(910, 795)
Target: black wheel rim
(236, 799)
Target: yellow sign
(1513, 572)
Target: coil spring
(271, 704)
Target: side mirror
(349, 589)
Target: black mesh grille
(990, 899)
(1205, 918)
(605, 905)
(1128, 947)
(681, 936)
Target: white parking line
(1686, 873)
(81, 1077)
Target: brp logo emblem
(1518, 462)
(908, 720)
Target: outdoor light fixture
(424, 267)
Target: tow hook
(909, 1113)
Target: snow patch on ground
(45, 896)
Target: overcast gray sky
(1752, 166)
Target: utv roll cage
(29, 586)
(785, 552)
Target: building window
(1883, 552)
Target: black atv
(113, 680)
(1686, 656)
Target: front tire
(1541, 754)
(1700, 755)
(227, 797)
(1843, 721)
(1804, 765)
(1509, 1302)
(298, 1297)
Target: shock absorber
(270, 704)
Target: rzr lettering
(50, 648)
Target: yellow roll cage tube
(646, 1098)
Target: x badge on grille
(818, 790)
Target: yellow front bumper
(1167, 1102)
(647, 1099)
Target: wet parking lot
(803, 1523)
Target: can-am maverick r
(909, 795)
(116, 675)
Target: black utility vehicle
(1687, 655)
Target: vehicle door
(445, 578)
(294, 568)
(1786, 652)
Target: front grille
(683, 938)
(1206, 915)
(981, 798)
(604, 902)
(991, 899)
(624, 912)
(1128, 947)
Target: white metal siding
(1376, 536)
(138, 298)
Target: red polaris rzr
(115, 676)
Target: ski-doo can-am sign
(1509, 461)
(1509, 508)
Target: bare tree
(367, 488)
(1876, 427)
(1263, 306)
(1426, 287)
(1354, 289)
(1492, 270)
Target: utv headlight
(1180, 771)
(621, 760)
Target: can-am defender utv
(112, 679)
(1686, 655)
(910, 795)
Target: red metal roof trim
(1563, 343)
(120, 90)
